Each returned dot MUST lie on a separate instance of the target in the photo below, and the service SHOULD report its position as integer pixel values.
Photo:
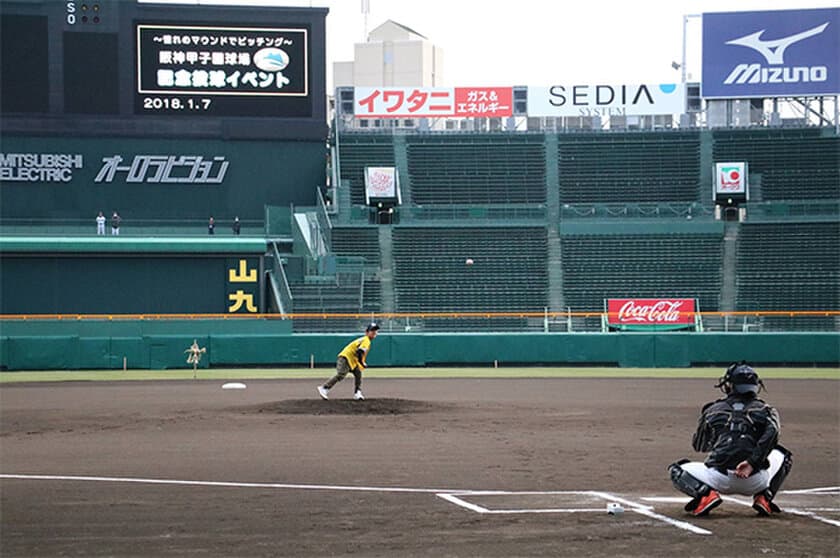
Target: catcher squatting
(741, 434)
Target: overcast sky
(538, 42)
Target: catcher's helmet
(740, 378)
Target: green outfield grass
(321, 373)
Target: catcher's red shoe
(764, 506)
(706, 504)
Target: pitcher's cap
(373, 326)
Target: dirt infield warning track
(479, 467)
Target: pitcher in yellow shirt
(352, 359)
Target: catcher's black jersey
(735, 429)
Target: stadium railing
(129, 227)
(546, 321)
(653, 210)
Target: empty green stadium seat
(629, 167)
(789, 266)
(797, 164)
(601, 266)
(508, 273)
(476, 169)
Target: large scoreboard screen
(153, 63)
(229, 71)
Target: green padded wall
(160, 344)
(124, 284)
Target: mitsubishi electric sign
(786, 53)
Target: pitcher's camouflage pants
(342, 368)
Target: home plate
(233, 385)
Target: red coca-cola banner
(658, 312)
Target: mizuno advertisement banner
(606, 100)
(785, 53)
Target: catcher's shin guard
(687, 484)
(782, 473)
(776, 482)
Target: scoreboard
(239, 68)
(229, 71)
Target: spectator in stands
(115, 224)
(100, 224)
(236, 226)
(211, 226)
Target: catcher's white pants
(729, 483)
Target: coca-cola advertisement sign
(678, 312)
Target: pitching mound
(346, 407)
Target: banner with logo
(381, 184)
(780, 53)
(651, 313)
(731, 178)
(606, 99)
(431, 102)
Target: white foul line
(812, 490)
(228, 484)
(794, 511)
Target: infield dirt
(537, 435)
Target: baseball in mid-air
(469, 261)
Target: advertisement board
(606, 99)
(75, 177)
(233, 71)
(731, 180)
(651, 313)
(432, 102)
(780, 53)
(381, 184)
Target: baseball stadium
(538, 289)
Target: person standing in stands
(100, 224)
(211, 226)
(236, 226)
(115, 224)
(353, 358)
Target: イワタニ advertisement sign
(431, 102)
(780, 53)
(651, 313)
(606, 100)
(731, 179)
(381, 184)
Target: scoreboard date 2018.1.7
(197, 104)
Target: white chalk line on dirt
(823, 490)
(638, 508)
(228, 484)
(646, 511)
(447, 494)
(794, 511)
(633, 506)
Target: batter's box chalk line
(805, 502)
(582, 498)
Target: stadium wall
(54, 178)
(160, 344)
